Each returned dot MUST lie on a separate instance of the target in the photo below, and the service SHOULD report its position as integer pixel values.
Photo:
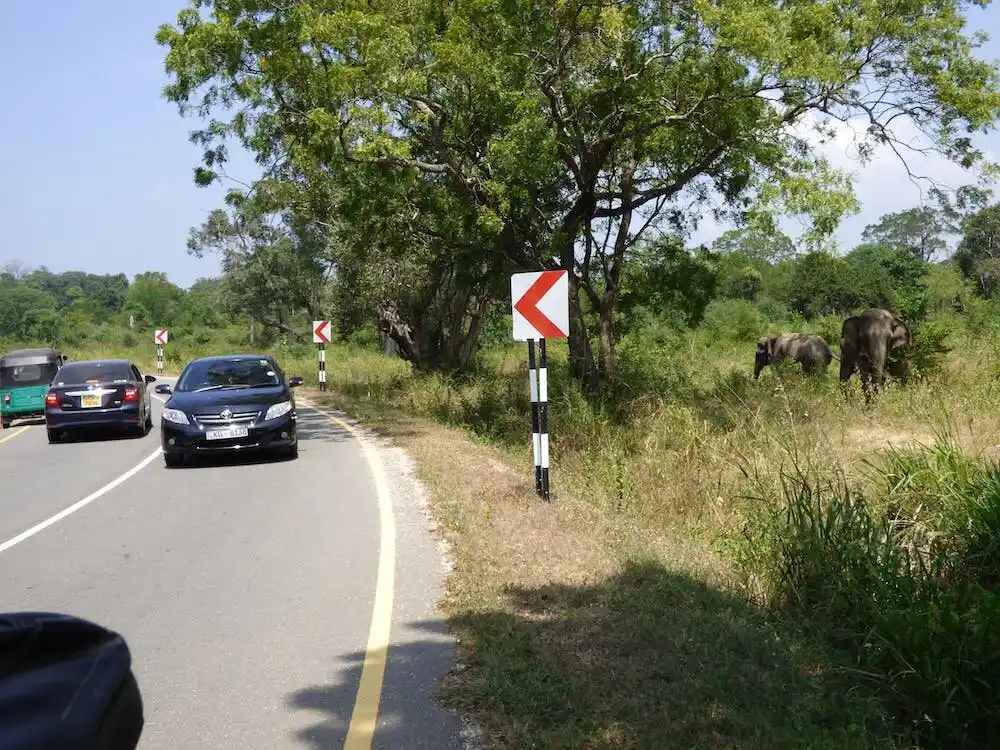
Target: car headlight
(278, 410)
(176, 416)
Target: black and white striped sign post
(540, 303)
(160, 337)
(321, 337)
(536, 433)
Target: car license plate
(90, 402)
(235, 432)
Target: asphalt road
(246, 590)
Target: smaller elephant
(808, 349)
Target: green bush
(901, 572)
(734, 320)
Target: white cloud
(881, 185)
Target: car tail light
(51, 399)
(131, 395)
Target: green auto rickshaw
(25, 376)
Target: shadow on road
(32, 422)
(409, 716)
(98, 434)
(314, 426)
(647, 658)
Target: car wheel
(5, 423)
(292, 453)
(173, 460)
(149, 421)
(53, 436)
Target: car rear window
(20, 376)
(86, 372)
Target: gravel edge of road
(408, 489)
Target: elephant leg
(877, 364)
(865, 373)
(847, 364)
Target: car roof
(29, 356)
(231, 357)
(99, 362)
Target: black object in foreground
(66, 684)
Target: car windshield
(20, 376)
(77, 373)
(228, 373)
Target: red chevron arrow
(528, 305)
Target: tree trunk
(612, 282)
(388, 345)
(606, 344)
(392, 325)
(581, 355)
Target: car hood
(194, 401)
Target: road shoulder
(422, 650)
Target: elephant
(808, 349)
(865, 343)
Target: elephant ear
(901, 335)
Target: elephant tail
(835, 356)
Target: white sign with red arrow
(160, 336)
(321, 331)
(540, 305)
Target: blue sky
(97, 165)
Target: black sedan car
(98, 393)
(229, 403)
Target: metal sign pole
(322, 366)
(536, 444)
(543, 416)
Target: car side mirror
(69, 683)
(295, 382)
(161, 388)
(150, 378)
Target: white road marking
(80, 504)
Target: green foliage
(902, 574)
(665, 281)
(978, 254)
(919, 232)
(734, 320)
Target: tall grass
(900, 569)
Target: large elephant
(865, 343)
(808, 349)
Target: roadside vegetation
(726, 562)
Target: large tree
(920, 231)
(978, 254)
(526, 127)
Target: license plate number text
(235, 432)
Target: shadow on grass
(653, 659)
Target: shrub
(901, 571)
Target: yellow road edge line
(13, 435)
(364, 717)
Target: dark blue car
(98, 393)
(222, 404)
